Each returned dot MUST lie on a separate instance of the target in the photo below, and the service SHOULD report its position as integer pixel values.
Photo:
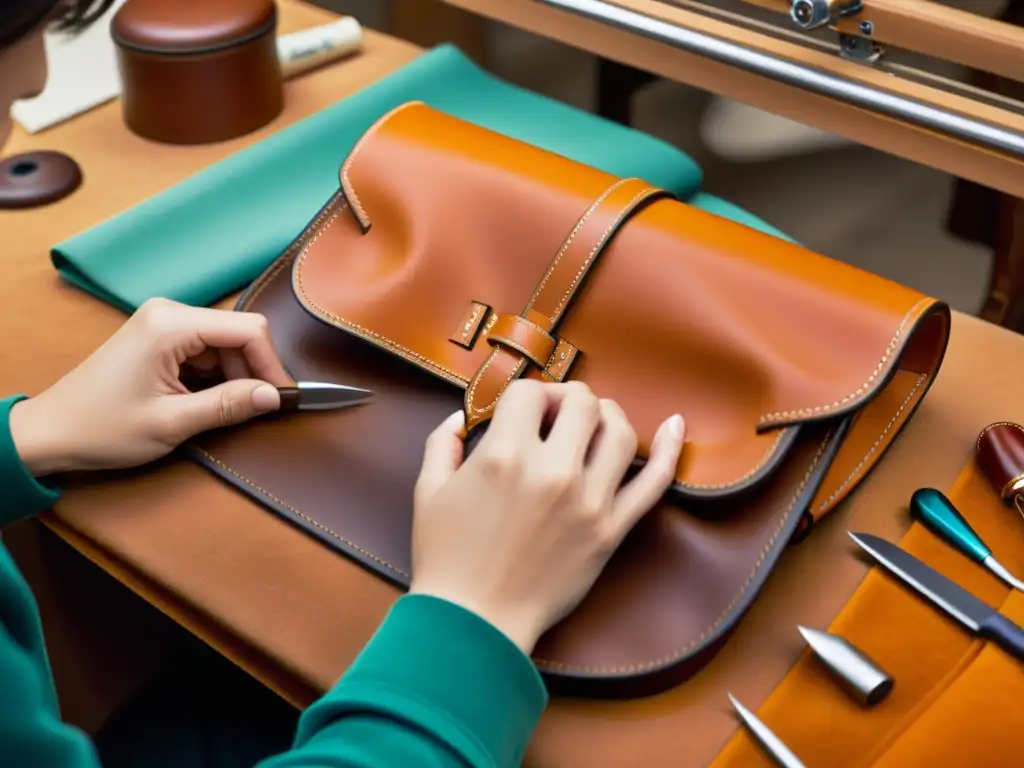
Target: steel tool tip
(768, 740)
(861, 677)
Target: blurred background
(870, 209)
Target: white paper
(83, 74)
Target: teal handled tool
(939, 514)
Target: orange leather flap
(658, 305)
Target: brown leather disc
(37, 178)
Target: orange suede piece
(956, 700)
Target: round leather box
(198, 71)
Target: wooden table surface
(295, 614)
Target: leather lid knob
(37, 178)
(1000, 456)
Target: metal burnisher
(864, 679)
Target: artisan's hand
(520, 531)
(125, 405)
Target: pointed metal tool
(945, 520)
(771, 743)
(317, 396)
(980, 618)
(864, 679)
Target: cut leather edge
(652, 676)
(751, 479)
(648, 677)
(872, 382)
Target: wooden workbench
(295, 614)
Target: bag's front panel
(664, 605)
(450, 248)
(443, 234)
(660, 306)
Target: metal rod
(908, 110)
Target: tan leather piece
(555, 291)
(468, 329)
(724, 287)
(768, 350)
(295, 614)
(348, 478)
(520, 335)
(561, 361)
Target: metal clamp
(811, 14)
(801, 76)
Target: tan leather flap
(444, 228)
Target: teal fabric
(216, 231)
(727, 210)
(21, 495)
(437, 685)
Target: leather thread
(572, 237)
(757, 468)
(668, 658)
(598, 247)
(874, 447)
(359, 330)
(471, 395)
(863, 388)
(306, 518)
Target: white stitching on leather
(572, 236)
(600, 245)
(623, 212)
(359, 330)
(903, 406)
(863, 389)
(757, 467)
(346, 184)
(305, 518)
(670, 657)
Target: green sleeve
(31, 731)
(21, 495)
(437, 686)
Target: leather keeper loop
(524, 337)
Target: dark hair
(20, 17)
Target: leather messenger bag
(453, 260)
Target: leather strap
(529, 337)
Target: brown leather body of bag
(454, 260)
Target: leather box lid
(184, 26)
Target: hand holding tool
(304, 396)
(319, 396)
(772, 743)
(980, 618)
(939, 514)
